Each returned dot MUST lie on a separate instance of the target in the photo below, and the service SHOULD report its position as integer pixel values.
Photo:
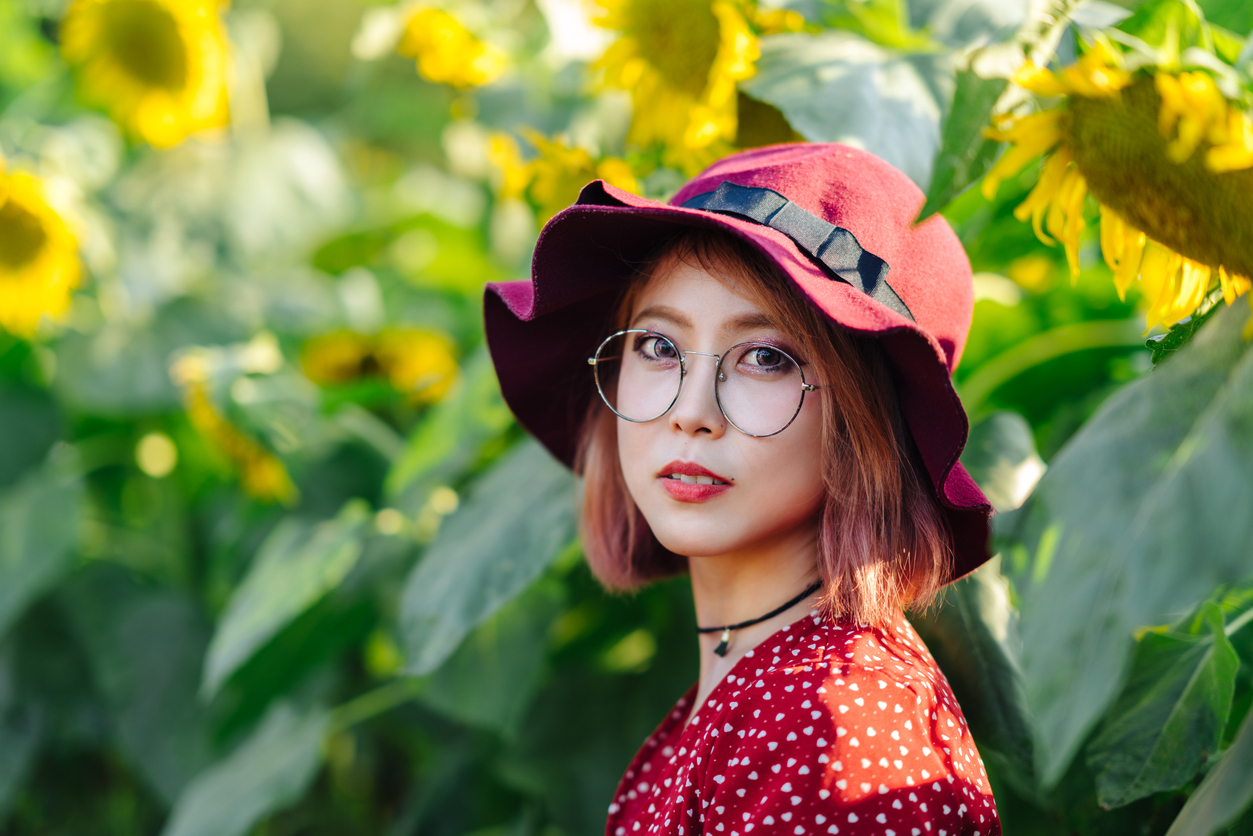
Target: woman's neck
(728, 589)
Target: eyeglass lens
(758, 386)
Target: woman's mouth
(689, 482)
(688, 479)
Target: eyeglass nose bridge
(717, 363)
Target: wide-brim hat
(837, 221)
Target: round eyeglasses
(758, 386)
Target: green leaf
(1165, 345)
(1170, 717)
(296, 565)
(38, 533)
(973, 635)
(1152, 21)
(490, 679)
(30, 424)
(1236, 15)
(960, 23)
(514, 523)
(1000, 456)
(1132, 523)
(453, 432)
(965, 154)
(838, 87)
(1225, 792)
(269, 771)
(145, 646)
(19, 736)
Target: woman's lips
(687, 492)
(690, 482)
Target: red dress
(826, 727)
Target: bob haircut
(882, 541)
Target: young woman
(754, 382)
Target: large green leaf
(1226, 791)
(270, 770)
(19, 735)
(516, 520)
(490, 679)
(145, 646)
(297, 565)
(1133, 522)
(38, 532)
(965, 154)
(838, 87)
(1169, 719)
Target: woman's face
(774, 484)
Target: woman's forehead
(691, 296)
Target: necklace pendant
(725, 644)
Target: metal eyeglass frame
(594, 360)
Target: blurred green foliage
(405, 638)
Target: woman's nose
(696, 411)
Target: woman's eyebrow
(669, 314)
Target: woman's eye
(763, 356)
(656, 348)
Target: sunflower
(681, 60)
(447, 52)
(38, 255)
(158, 66)
(1169, 161)
(418, 363)
(555, 176)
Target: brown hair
(882, 540)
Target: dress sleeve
(853, 753)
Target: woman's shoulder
(835, 716)
(822, 655)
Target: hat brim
(541, 332)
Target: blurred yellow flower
(553, 179)
(681, 60)
(447, 52)
(418, 363)
(1189, 112)
(38, 255)
(261, 474)
(158, 66)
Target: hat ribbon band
(834, 247)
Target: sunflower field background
(274, 557)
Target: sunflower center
(1196, 213)
(144, 39)
(677, 37)
(22, 236)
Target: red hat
(839, 223)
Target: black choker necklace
(725, 644)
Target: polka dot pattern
(826, 727)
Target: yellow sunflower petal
(1039, 80)
(1233, 284)
(1123, 247)
(1045, 190)
(1235, 153)
(1159, 280)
